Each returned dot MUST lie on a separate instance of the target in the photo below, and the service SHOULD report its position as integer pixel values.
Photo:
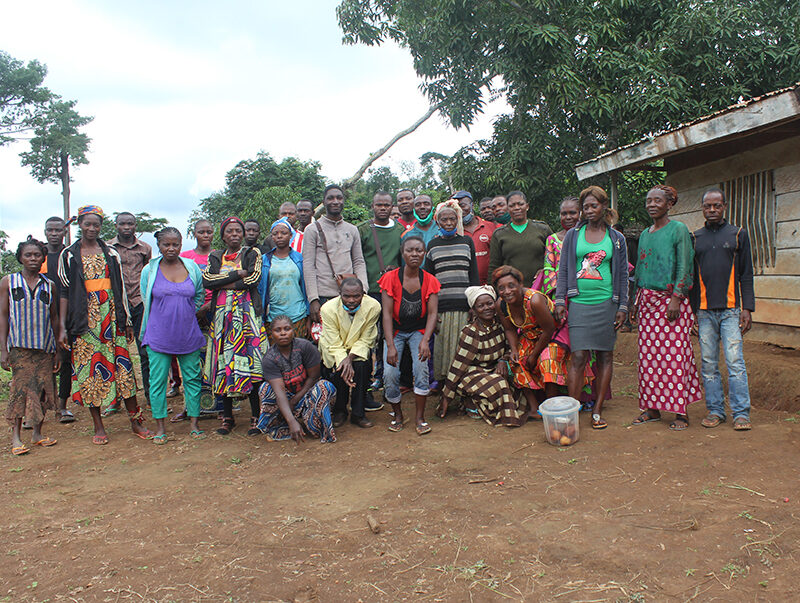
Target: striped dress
(31, 346)
(473, 375)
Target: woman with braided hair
(668, 378)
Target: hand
(129, 334)
(345, 368)
(673, 309)
(63, 342)
(296, 431)
(4, 360)
(424, 350)
(532, 362)
(56, 362)
(513, 357)
(502, 369)
(745, 321)
(633, 316)
(560, 315)
(313, 310)
(619, 320)
(391, 355)
(243, 273)
(695, 330)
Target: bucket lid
(559, 404)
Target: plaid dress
(472, 375)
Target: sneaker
(173, 392)
(376, 385)
(373, 405)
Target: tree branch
(350, 182)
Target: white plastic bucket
(560, 415)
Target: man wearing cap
(479, 230)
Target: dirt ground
(467, 513)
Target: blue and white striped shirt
(29, 314)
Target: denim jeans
(391, 374)
(716, 325)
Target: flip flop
(181, 416)
(423, 428)
(66, 417)
(645, 417)
(197, 434)
(160, 439)
(20, 450)
(111, 410)
(598, 422)
(26, 425)
(396, 426)
(742, 424)
(45, 441)
(145, 435)
(100, 440)
(679, 424)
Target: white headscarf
(473, 293)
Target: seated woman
(537, 363)
(410, 299)
(480, 369)
(294, 400)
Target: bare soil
(466, 513)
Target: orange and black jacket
(724, 268)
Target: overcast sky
(181, 91)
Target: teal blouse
(666, 259)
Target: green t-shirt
(593, 269)
(666, 259)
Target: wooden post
(614, 192)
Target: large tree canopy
(22, 96)
(582, 76)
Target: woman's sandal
(66, 417)
(160, 439)
(254, 430)
(100, 440)
(680, 423)
(396, 425)
(598, 422)
(145, 435)
(423, 428)
(645, 417)
(226, 427)
(178, 417)
(20, 450)
(742, 424)
(46, 441)
(197, 434)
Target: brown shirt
(134, 258)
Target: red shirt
(390, 282)
(405, 224)
(481, 237)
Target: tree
(57, 144)
(8, 259)
(581, 76)
(22, 96)
(144, 223)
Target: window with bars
(751, 204)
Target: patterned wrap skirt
(551, 367)
(32, 390)
(233, 356)
(668, 377)
(444, 348)
(312, 411)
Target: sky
(181, 91)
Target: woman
(28, 320)
(294, 400)
(480, 368)
(282, 287)
(233, 358)
(172, 293)
(569, 213)
(95, 324)
(451, 259)
(537, 363)
(593, 280)
(668, 378)
(410, 298)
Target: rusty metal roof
(758, 112)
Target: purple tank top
(172, 325)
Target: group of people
(493, 311)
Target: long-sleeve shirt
(452, 261)
(343, 334)
(522, 250)
(344, 253)
(666, 259)
(389, 241)
(723, 268)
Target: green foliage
(8, 261)
(57, 142)
(144, 223)
(22, 96)
(582, 76)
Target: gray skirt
(591, 326)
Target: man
(349, 330)
(54, 231)
(287, 210)
(500, 209)
(380, 244)
(424, 224)
(479, 230)
(405, 205)
(252, 232)
(134, 255)
(485, 209)
(521, 242)
(331, 253)
(723, 285)
(305, 214)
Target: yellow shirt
(343, 335)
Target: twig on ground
(738, 487)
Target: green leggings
(191, 369)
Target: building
(752, 151)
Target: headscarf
(451, 204)
(228, 221)
(474, 292)
(91, 209)
(285, 222)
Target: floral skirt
(233, 356)
(550, 368)
(32, 390)
(312, 412)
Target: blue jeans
(391, 374)
(716, 325)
